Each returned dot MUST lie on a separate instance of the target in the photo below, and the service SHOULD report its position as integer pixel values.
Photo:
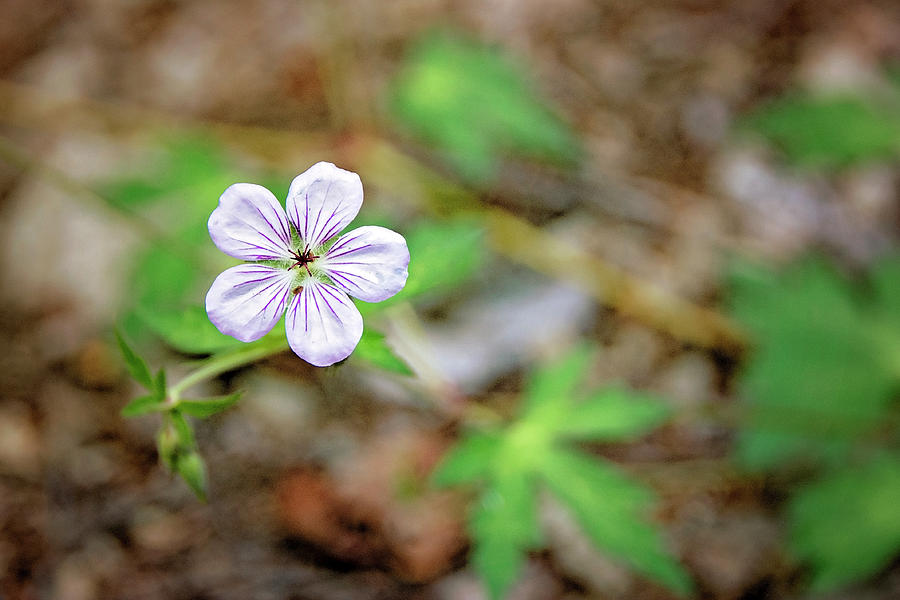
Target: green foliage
(207, 407)
(175, 441)
(136, 365)
(509, 465)
(824, 367)
(191, 467)
(847, 524)
(476, 107)
(504, 527)
(144, 405)
(373, 349)
(187, 330)
(443, 256)
(177, 449)
(830, 131)
(470, 459)
(820, 385)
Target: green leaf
(847, 525)
(184, 433)
(886, 284)
(614, 414)
(445, 77)
(135, 364)
(373, 349)
(819, 379)
(554, 384)
(144, 405)
(159, 384)
(192, 469)
(470, 459)
(504, 527)
(611, 509)
(187, 330)
(167, 445)
(830, 131)
(161, 279)
(184, 162)
(443, 255)
(206, 407)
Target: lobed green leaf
(374, 350)
(847, 525)
(207, 407)
(144, 405)
(445, 76)
(552, 386)
(504, 527)
(830, 131)
(610, 508)
(136, 365)
(613, 414)
(820, 378)
(471, 459)
(187, 330)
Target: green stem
(226, 362)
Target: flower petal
(322, 201)
(246, 301)
(369, 263)
(323, 325)
(250, 224)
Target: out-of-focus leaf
(611, 509)
(555, 383)
(167, 446)
(184, 162)
(177, 448)
(161, 279)
(136, 365)
(830, 131)
(443, 255)
(819, 377)
(470, 459)
(207, 407)
(847, 525)
(886, 284)
(504, 527)
(613, 414)
(192, 469)
(476, 107)
(373, 349)
(188, 330)
(143, 406)
(159, 384)
(184, 433)
(513, 462)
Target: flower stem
(221, 363)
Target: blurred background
(704, 192)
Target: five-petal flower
(297, 268)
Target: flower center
(303, 259)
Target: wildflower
(296, 266)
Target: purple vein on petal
(306, 312)
(327, 303)
(342, 243)
(254, 229)
(346, 275)
(313, 238)
(334, 228)
(286, 239)
(319, 312)
(244, 301)
(339, 254)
